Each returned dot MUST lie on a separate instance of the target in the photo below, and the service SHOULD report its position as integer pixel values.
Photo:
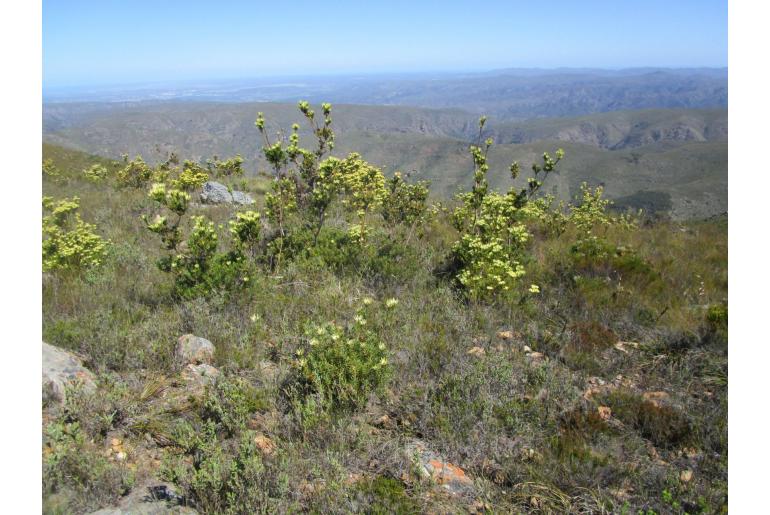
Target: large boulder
(217, 193)
(241, 198)
(61, 369)
(191, 349)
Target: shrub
(246, 229)
(664, 425)
(229, 403)
(716, 317)
(228, 168)
(405, 203)
(192, 177)
(490, 251)
(96, 173)
(382, 495)
(222, 478)
(135, 174)
(72, 465)
(339, 368)
(69, 243)
(50, 169)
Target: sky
(88, 42)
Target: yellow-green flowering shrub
(364, 190)
(591, 210)
(96, 173)
(590, 215)
(338, 368)
(197, 267)
(192, 177)
(246, 229)
(228, 168)
(50, 169)
(135, 173)
(405, 203)
(493, 234)
(68, 241)
(281, 202)
(553, 219)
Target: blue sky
(128, 41)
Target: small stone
(265, 444)
(121, 456)
(476, 351)
(505, 335)
(200, 375)
(527, 348)
(115, 442)
(604, 412)
(685, 476)
(193, 349)
(655, 397)
(536, 356)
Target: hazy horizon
(88, 43)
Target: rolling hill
(672, 160)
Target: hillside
(677, 156)
(262, 373)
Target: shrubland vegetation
(567, 357)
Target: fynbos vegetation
(375, 348)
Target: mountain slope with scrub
(351, 343)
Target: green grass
(523, 429)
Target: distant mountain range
(513, 94)
(672, 160)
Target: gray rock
(242, 199)
(191, 349)
(60, 369)
(159, 499)
(215, 193)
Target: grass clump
(662, 424)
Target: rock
(200, 375)
(624, 346)
(265, 444)
(527, 348)
(193, 349)
(604, 412)
(655, 397)
(431, 465)
(536, 356)
(242, 199)
(505, 335)
(60, 369)
(476, 351)
(158, 499)
(215, 193)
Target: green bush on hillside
(69, 243)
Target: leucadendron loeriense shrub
(490, 252)
(69, 243)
